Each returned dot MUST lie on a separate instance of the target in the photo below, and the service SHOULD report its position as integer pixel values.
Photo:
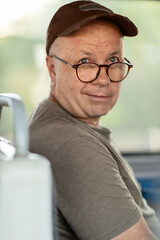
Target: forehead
(96, 34)
(98, 24)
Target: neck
(52, 98)
(93, 122)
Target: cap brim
(126, 26)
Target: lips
(99, 95)
(99, 98)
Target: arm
(138, 231)
(92, 194)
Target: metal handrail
(20, 132)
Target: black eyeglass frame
(100, 66)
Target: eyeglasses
(88, 72)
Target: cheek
(71, 82)
(117, 91)
(116, 87)
(67, 84)
(119, 88)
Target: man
(97, 194)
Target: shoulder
(50, 127)
(88, 178)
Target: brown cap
(72, 16)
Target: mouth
(99, 97)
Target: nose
(102, 77)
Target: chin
(99, 113)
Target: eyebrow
(85, 52)
(91, 54)
(114, 53)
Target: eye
(84, 60)
(113, 59)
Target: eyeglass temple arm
(61, 60)
(127, 61)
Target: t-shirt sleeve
(91, 192)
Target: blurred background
(135, 120)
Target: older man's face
(98, 42)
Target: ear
(51, 68)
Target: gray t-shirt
(98, 196)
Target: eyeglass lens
(89, 71)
